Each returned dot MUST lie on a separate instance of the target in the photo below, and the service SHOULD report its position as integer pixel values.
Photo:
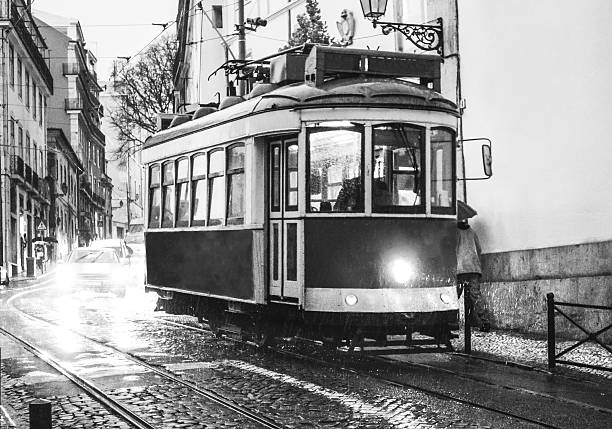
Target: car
(124, 252)
(100, 269)
(134, 239)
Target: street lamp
(425, 37)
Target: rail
(553, 357)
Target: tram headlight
(445, 298)
(350, 299)
(401, 270)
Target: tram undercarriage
(262, 324)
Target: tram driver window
(154, 197)
(235, 184)
(335, 157)
(442, 171)
(397, 183)
(216, 187)
(168, 195)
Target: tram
(323, 204)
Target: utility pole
(241, 42)
(128, 200)
(5, 211)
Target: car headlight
(445, 298)
(351, 299)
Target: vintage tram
(324, 207)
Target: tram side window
(235, 184)
(291, 188)
(168, 194)
(216, 187)
(442, 170)
(397, 183)
(335, 162)
(198, 189)
(154, 197)
(182, 192)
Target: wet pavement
(290, 392)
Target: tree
(145, 88)
(310, 29)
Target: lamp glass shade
(373, 9)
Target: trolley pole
(241, 44)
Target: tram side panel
(386, 265)
(211, 263)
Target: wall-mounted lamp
(425, 37)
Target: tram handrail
(553, 357)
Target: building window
(216, 187)
(28, 150)
(168, 194)
(154, 197)
(20, 141)
(182, 192)
(217, 12)
(442, 170)
(19, 78)
(12, 127)
(11, 65)
(397, 184)
(34, 100)
(198, 189)
(235, 184)
(336, 164)
(40, 108)
(27, 89)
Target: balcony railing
(18, 166)
(71, 68)
(28, 173)
(35, 181)
(74, 104)
(33, 52)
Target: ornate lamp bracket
(425, 37)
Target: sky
(114, 28)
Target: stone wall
(515, 285)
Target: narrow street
(164, 369)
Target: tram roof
(347, 93)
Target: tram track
(107, 401)
(402, 384)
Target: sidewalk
(22, 280)
(531, 351)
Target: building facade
(535, 89)
(64, 169)
(125, 172)
(75, 108)
(25, 84)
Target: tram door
(284, 224)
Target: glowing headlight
(401, 270)
(350, 300)
(445, 298)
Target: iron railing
(553, 356)
(18, 166)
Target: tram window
(216, 187)
(198, 189)
(168, 195)
(276, 177)
(292, 251)
(397, 183)
(291, 197)
(235, 184)
(182, 192)
(335, 170)
(154, 197)
(442, 174)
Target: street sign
(41, 226)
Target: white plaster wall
(536, 76)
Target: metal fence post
(550, 307)
(467, 312)
(40, 414)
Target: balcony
(71, 68)
(73, 104)
(18, 167)
(26, 38)
(28, 174)
(35, 181)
